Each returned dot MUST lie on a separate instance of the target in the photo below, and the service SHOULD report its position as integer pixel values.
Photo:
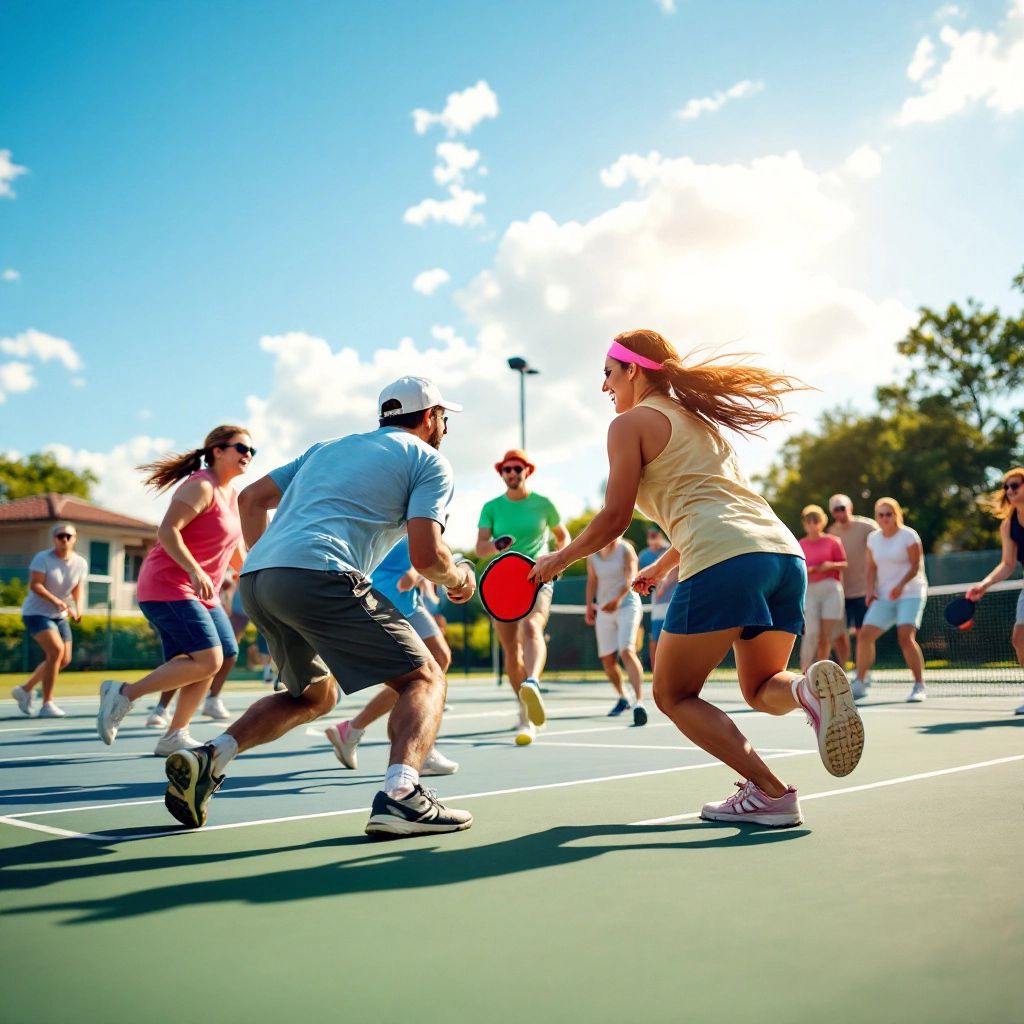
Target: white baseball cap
(413, 394)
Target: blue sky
(198, 177)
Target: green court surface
(587, 888)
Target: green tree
(40, 473)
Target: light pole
(522, 367)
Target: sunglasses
(884, 515)
(838, 508)
(512, 469)
(242, 449)
(1013, 485)
(64, 536)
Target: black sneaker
(192, 783)
(419, 813)
(620, 705)
(639, 714)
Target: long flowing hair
(175, 466)
(736, 395)
(997, 503)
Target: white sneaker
(532, 702)
(344, 743)
(213, 707)
(24, 699)
(525, 735)
(860, 690)
(917, 694)
(825, 696)
(179, 739)
(1020, 710)
(50, 710)
(435, 763)
(158, 718)
(114, 705)
(269, 674)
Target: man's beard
(436, 435)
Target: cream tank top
(695, 491)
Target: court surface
(586, 888)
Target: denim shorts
(758, 592)
(186, 627)
(884, 614)
(40, 623)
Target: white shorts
(824, 600)
(423, 622)
(616, 631)
(1020, 610)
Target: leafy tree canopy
(40, 473)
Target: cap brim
(451, 406)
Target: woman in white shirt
(897, 589)
(614, 608)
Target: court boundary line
(111, 838)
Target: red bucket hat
(515, 455)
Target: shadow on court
(946, 728)
(385, 866)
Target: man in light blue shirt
(341, 506)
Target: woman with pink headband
(741, 572)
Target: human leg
(866, 641)
(684, 665)
(828, 627)
(535, 648)
(53, 646)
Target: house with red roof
(113, 544)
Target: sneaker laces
(744, 789)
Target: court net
(977, 661)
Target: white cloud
(978, 67)
(8, 172)
(710, 104)
(462, 112)
(15, 378)
(864, 162)
(923, 60)
(458, 209)
(44, 347)
(455, 160)
(10, 274)
(429, 281)
(667, 6)
(732, 256)
(947, 12)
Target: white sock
(356, 734)
(795, 687)
(225, 747)
(532, 681)
(400, 780)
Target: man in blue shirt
(305, 585)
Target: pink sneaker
(751, 805)
(344, 743)
(824, 693)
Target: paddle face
(960, 613)
(504, 590)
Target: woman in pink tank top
(741, 572)
(179, 584)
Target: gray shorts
(330, 623)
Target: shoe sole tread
(841, 741)
(531, 700)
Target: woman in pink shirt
(824, 605)
(179, 584)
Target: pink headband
(625, 355)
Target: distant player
(529, 519)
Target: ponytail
(164, 472)
(735, 395)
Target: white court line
(859, 789)
(107, 837)
(65, 757)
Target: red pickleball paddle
(504, 589)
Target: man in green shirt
(529, 520)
